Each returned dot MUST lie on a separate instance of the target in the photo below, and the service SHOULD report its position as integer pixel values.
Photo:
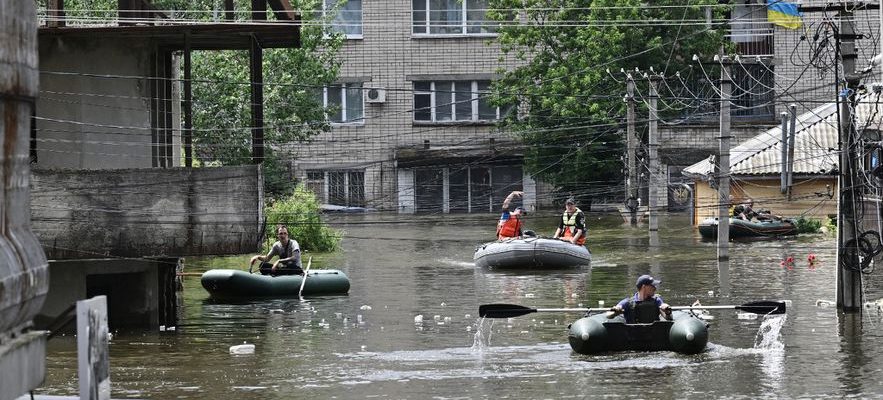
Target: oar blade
(763, 307)
(503, 310)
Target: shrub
(807, 225)
(301, 214)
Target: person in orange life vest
(509, 225)
(572, 227)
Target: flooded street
(409, 327)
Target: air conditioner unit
(375, 95)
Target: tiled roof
(815, 143)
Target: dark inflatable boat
(594, 334)
(231, 283)
(740, 228)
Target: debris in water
(467, 316)
(529, 296)
(243, 348)
(600, 303)
(365, 307)
(745, 315)
(443, 304)
(822, 303)
(711, 293)
(574, 295)
(436, 317)
(418, 319)
(162, 328)
(277, 311)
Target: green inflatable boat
(232, 283)
(594, 334)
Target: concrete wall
(766, 195)
(133, 297)
(147, 212)
(390, 57)
(94, 106)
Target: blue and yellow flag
(783, 14)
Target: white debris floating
(365, 307)
(418, 319)
(243, 348)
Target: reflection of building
(415, 131)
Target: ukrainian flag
(783, 14)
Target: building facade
(415, 131)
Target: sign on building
(92, 350)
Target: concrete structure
(416, 133)
(24, 277)
(147, 212)
(112, 120)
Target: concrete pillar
(24, 277)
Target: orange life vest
(570, 227)
(509, 228)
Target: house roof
(815, 143)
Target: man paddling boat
(645, 306)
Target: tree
(570, 107)
(293, 108)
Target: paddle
(514, 310)
(304, 281)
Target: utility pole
(653, 166)
(783, 170)
(632, 144)
(849, 276)
(791, 136)
(723, 178)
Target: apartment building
(414, 131)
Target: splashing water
(482, 337)
(768, 335)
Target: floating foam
(242, 349)
(746, 315)
(822, 303)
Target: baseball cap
(647, 280)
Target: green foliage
(830, 226)
(301, 214)
(293, 109)
(808, 225)
(571, 109)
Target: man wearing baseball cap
(645, 306)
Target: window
(345, 103)
(347, 17)
(453, 101)
(344, 187)
(451, 17)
